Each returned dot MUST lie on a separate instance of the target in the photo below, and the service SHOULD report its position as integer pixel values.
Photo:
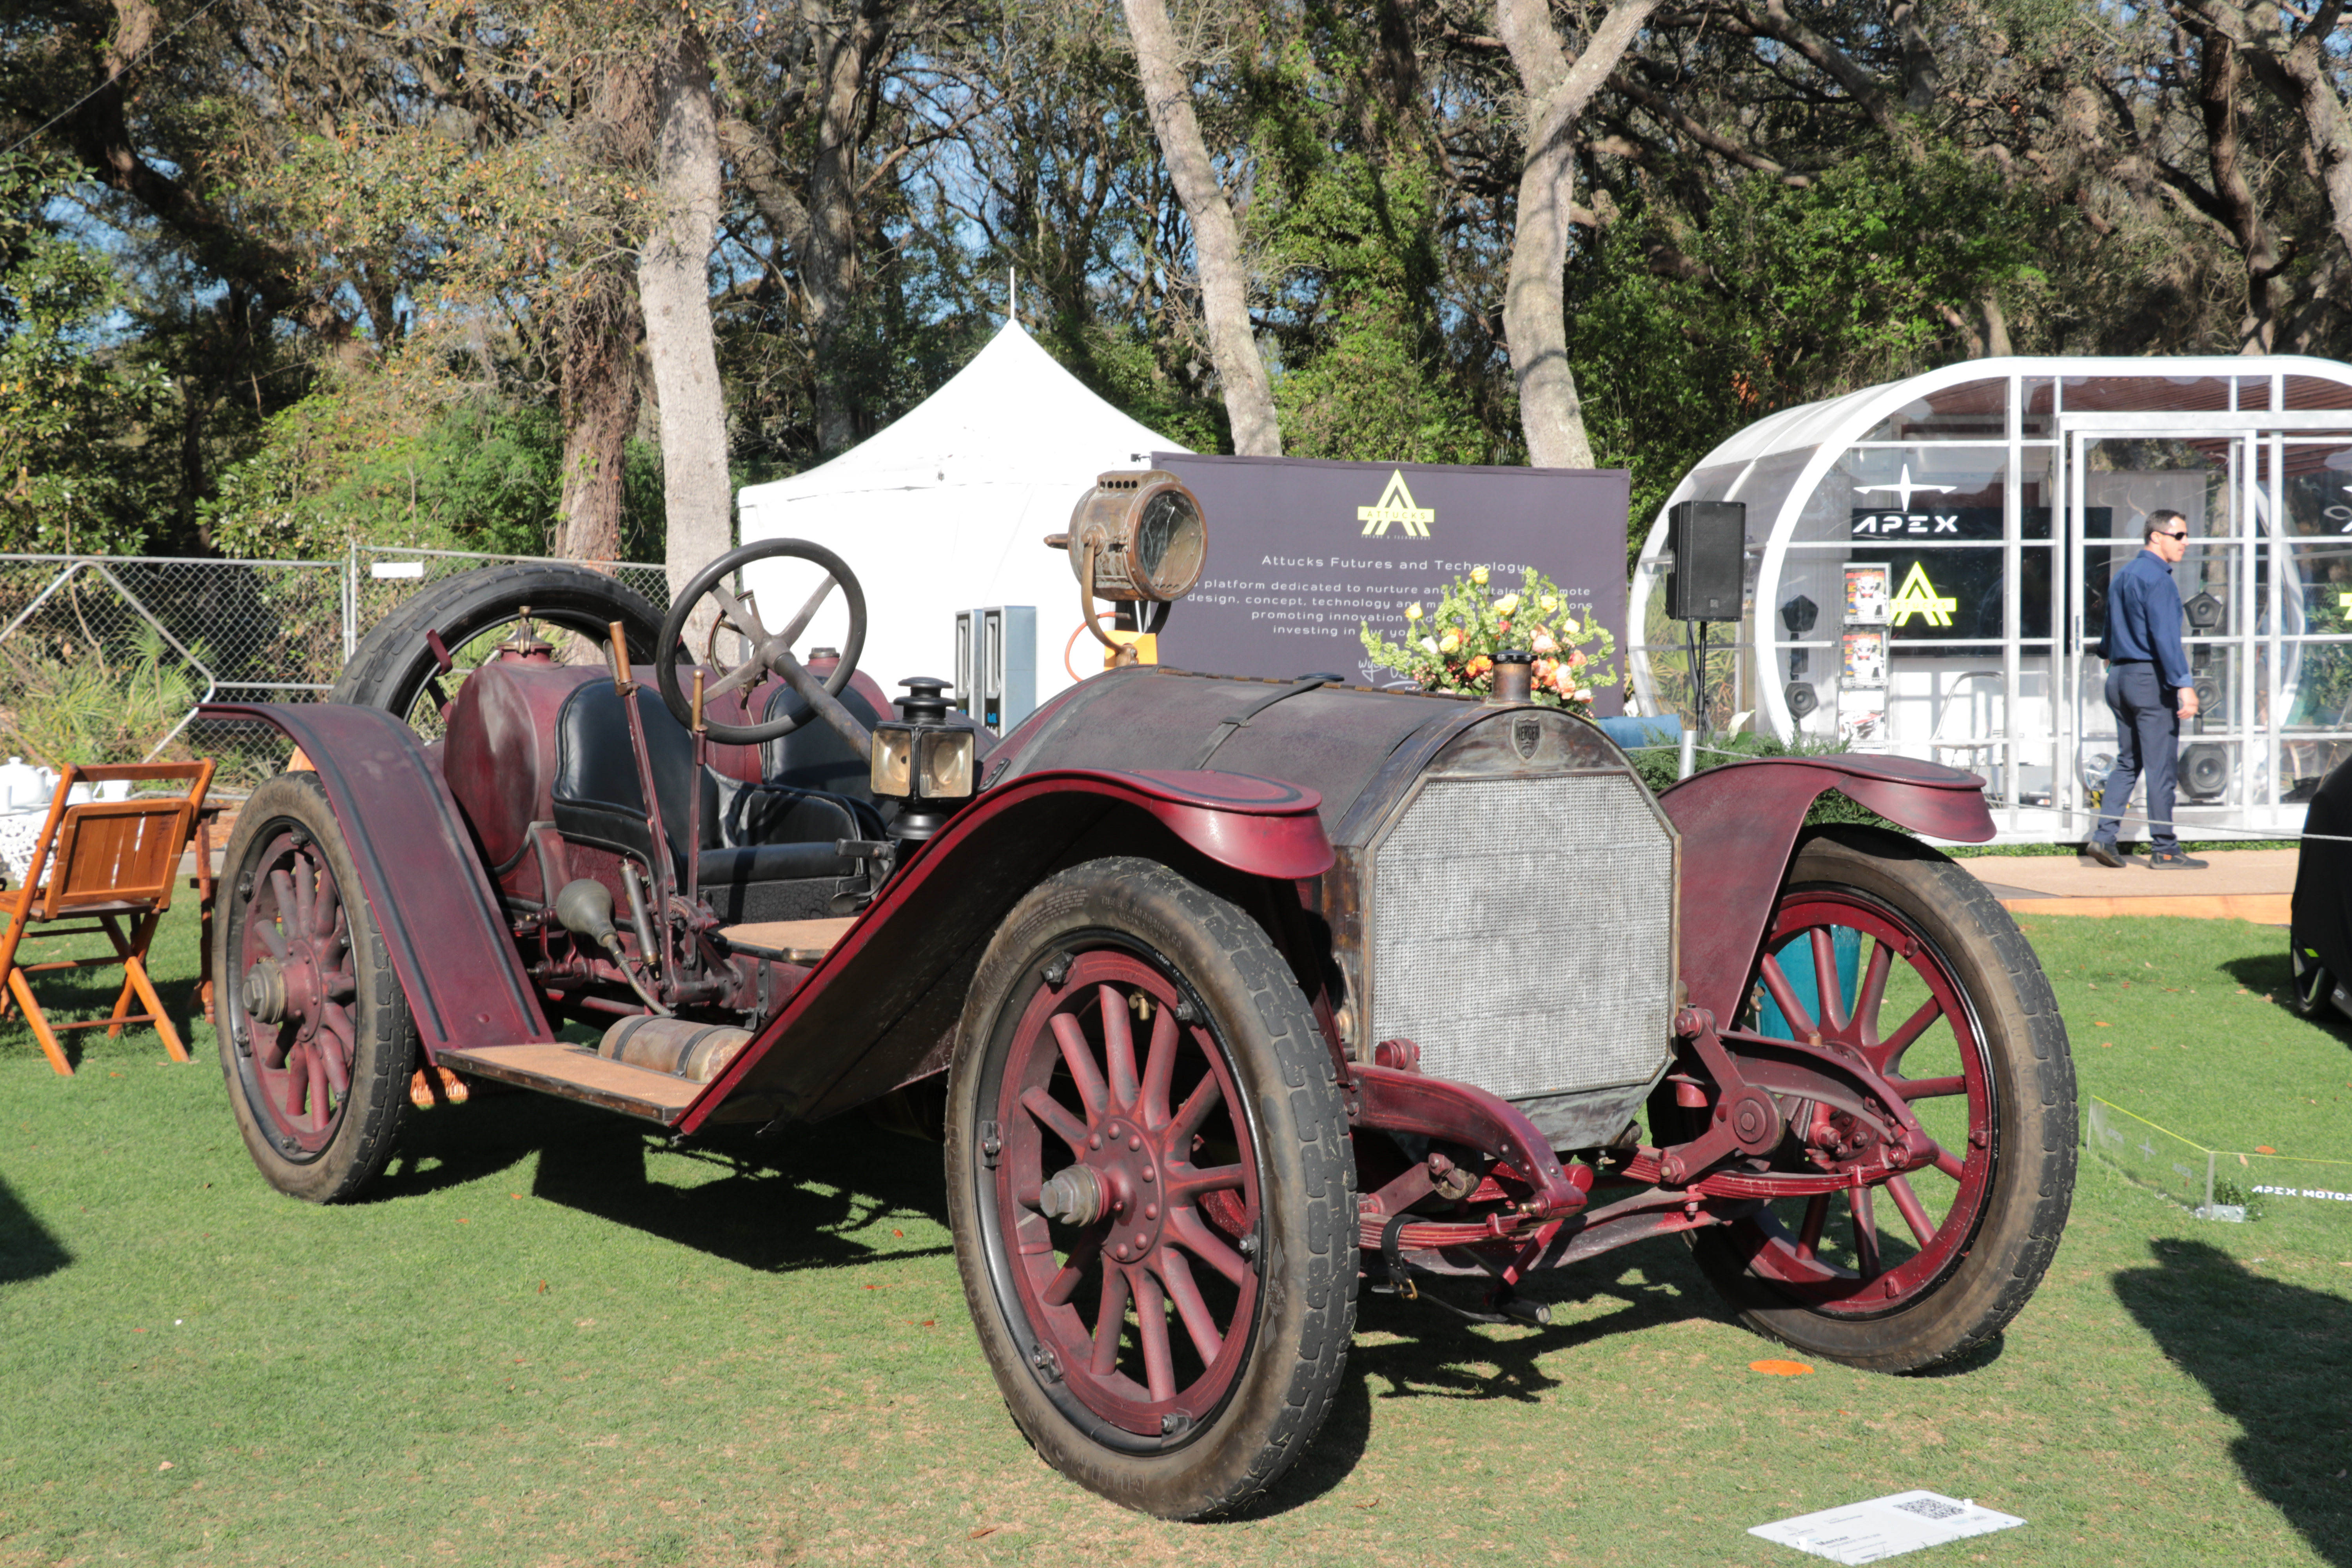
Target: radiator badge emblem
(1527, 732)
(1396, 505)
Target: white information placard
(1886, 1526)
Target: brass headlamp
(1137, 537)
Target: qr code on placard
(1931, 1508)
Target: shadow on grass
(1438, 1355)
(791, 1203)
(2273, 976)
(27, 1250)
(2273, 1357)
(69, 995)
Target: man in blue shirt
(2150, 690)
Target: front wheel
(315, 1039)
(1152, 1189)
(1887, 948)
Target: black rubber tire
(385, 1044)
(392, 665)
(2034, 1145)
(2314, 996)
(1307, 1310)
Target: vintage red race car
(1227, 997)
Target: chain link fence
(107, 658)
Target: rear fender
(1740, 826)
(419, 870)
(880, 1007)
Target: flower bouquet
(1453, 648)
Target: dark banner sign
(1303, 553)
(1956, 595)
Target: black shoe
(2173, 861)
(2105, 854)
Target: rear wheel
(1887, 947)
(394, 669)
(316, 1038)
(1152, 1189)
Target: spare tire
(393, 668)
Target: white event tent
(948, 509)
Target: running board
(576, 1072)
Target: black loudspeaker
(2204, 771)
(1709, 540)
(1802, 699)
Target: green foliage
(90, 709)
(380, 457)
(1454, 648)
(71, 385)
(1685, 331)
(1660, 767)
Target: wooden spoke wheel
(1152, 1189)
(316, 1038)
(1889, 948)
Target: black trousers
(2148, 736)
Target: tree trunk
(674, 289)
(1534, 316)
(829, 261)
(1216, 240)
(601, 331)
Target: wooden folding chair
(105, 861)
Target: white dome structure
(947, 509)
(1927, 565)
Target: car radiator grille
(1522, 932)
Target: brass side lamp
(1138, 538)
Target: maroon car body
(1714, 1060)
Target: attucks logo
(1396, 505)
(1917, 597)
(1527, 733)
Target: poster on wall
(1303, 553)
(1865, 594)
(1862, 718)
(1863, 664)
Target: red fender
(1740, 824)
(879, 1009)
(419, 871)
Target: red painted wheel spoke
(1199, 1324)
(1205, 1097)
(1215, 1178)
(1079, 1058)
(1906, 1202)
(1110, 1321)
(1817, 1212)
(1872, 993)
(1187, 1230)
(336, 1038)
(1065, 1285)
(1891, 1051)
(326, 909)
(1829, 986)
(1054, 1120)
(1928, 1088)
(1158, 1069)
(1119, 1048)
(1152, 1325)
(1949, 1162)
(1800, 1023)
(1865, 1233)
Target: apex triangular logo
(1396, 505)
(1917, 597)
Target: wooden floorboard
(574, 1073)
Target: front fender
(418, 870)
(879, 1009)
(1740, 824)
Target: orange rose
(1576, 658)
(1477, 667)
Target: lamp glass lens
(894, 761)
(947, 765)
(1168, 544)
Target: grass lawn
(550, 1339)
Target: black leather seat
(766, 850)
